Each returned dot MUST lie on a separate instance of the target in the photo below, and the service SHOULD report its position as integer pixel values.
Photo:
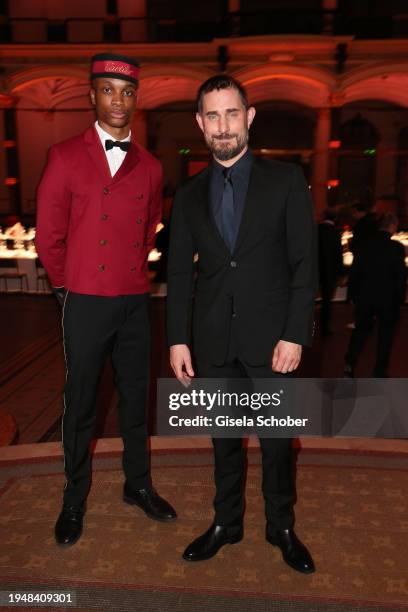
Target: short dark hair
(221, 81)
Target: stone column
(320, 169)
(386, 170)
(10, 189)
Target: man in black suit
(365, 225)
(377, 286)
(251, 223)
(330, 265)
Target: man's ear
(251, 112)
(92, 95)
(199, 120)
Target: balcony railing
(133, 30)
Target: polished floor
(32, 367)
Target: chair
(41, 276)
(12, 274)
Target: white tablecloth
(26, 263)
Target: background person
(330, 265)
(377, 285)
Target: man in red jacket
(99, 202)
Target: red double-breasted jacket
(94, 231)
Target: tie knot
(227, 174)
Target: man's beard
(221, 147)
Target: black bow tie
(109, 144)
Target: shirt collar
(241, 165)
(105, 136)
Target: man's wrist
(60, 293)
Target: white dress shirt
(115, 156)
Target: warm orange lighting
(10, 181)
(196, 166)
(9, 144)
(6, 101)
(333, 183)
(334, 144)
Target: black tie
(109, 144)
(227, 210)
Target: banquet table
(26, 256)
(26, 264)
(26, 259)
(346, 237)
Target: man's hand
(180, 357)
(60, 293)
(286, 356)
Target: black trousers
(278, 486)
(387, 318)
(95, 327)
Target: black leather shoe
(150, 502)
(68, 528)
(294, 553)
(208, 544)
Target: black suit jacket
(267, 286)
(378, 275)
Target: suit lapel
(97, 154)
(250, 208)
(207, 221)
(130, 161)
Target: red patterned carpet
(351, 512)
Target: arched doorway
(357, 163)
(48, 110)
(175, 138)
(402, 176)
(284, 130)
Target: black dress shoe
(208, 544)
(294, 553)
(150, 502)
(68, 528)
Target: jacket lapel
(250, 208)
(97, 154)
(131, 160)
(206, 217)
